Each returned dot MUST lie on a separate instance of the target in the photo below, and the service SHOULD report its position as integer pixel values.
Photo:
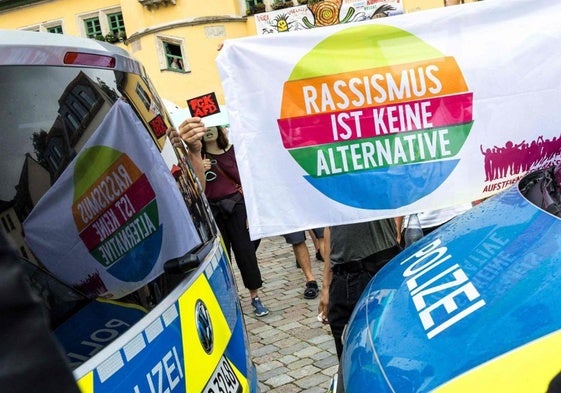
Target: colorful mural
(319, 13)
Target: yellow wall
(66, 10)
(188, 20)
(419, 5)
(201, 52)
(139, 17)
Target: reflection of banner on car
(115, 215)
(392, 116)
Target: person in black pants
(222, 186)
(354, 253)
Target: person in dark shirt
(354, 253)
(222, 186)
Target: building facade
(176, 40)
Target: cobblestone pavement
(292, 350)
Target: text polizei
(442, 296)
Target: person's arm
(327, 275)
(191, 131)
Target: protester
(354, 253)
(302, 254)
(222, 185)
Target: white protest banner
(317, 13)
(387, 117)
(112, 218)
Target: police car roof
(33, 48)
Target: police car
(124, 254)
(471, 307)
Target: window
(87, 95)
(53, 26)
(255, 5)
(104, 22)
(53, 153)
(57, 29)
(71, 120)
(143, 96)
(116, 23)
(78, 106)
(172, 55)
(174, 60)
(92, 27)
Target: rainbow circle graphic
(375, 116)
(116, 213)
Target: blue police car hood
(482, 285)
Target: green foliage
(110, 37)
(280, 4)
(256, 8)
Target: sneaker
(260, 309)
(318, 256)
(312, 290)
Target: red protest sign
(204, 105)
(158, 126)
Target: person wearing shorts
(302, 254)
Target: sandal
(312, 290)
